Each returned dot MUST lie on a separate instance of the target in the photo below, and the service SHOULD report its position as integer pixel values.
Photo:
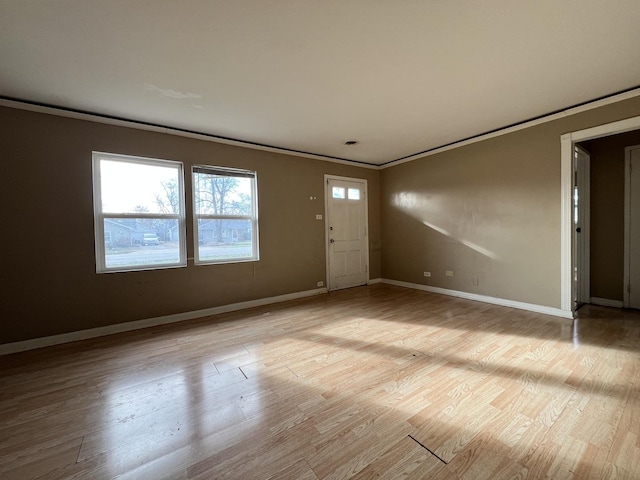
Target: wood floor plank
(399, 461)
(299, 470)
(45, 458)
(331, 387)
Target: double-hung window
(225, 215)
(139, 213)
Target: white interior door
(632, 228)
(346, 214)
(581, 216)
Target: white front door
(348, 254)
(632, 294)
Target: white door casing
(631, 283)
(346, 232)
(567, 144)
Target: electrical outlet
(449, 273)
(427, 274)
(318, 217)
(320, 284)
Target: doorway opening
(569, 286)
(631, 283)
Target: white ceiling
(401, 77)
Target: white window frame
(231, 172)
(100, 216)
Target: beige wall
(49, 284)
(607, 213)
(489, 210)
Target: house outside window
(225, 215)
(139, 213)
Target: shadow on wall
(493, 238)
(469, 242)
(431, 211)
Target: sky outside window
(126, 186)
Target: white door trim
(567, 143)
(627, 220)
(328, 177)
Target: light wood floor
(372, 382)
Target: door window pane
(354, 194)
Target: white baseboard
(15, 347)
(605, 302)
(373, 281)
(532, 307)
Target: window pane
(337, 192)
(354, 194)
(222, 195)
(129, 187)
(140, 242)
(224, 240)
